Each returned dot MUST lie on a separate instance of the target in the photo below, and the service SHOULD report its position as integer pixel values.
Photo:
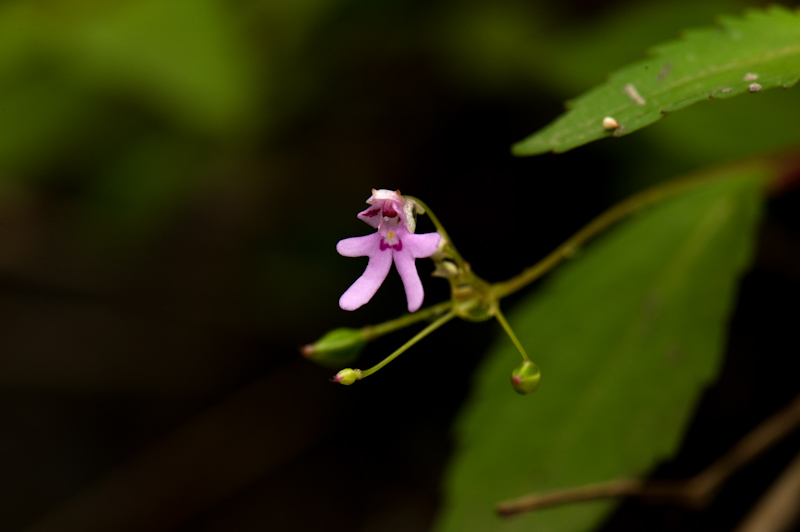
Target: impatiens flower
(393, 217)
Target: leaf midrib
(704, 229)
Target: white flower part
(410, 209)
(393, 196)
(610, 123)
(384, 194)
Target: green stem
(451, 249)
(371, 332)
(510, 333)
(419, 336)
(596, 226)
(436, 223)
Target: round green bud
(337, 348)
(347, 376)
(525, 377)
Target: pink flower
(393, 217)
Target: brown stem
(778, 510)
(696, 491)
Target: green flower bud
(525, 377)
(336, 348)
(347, 376)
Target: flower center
(390, 240)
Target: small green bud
(347, 376)
(337, 347)
(525, 377)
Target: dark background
(167, 243)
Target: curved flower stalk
(394, 242)
(472, 298)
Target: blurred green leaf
(759, 51)
(38, 114)
(514, 47)
(67, 67)
(711, 133)
(185, 58)
(580, 55)
(38, 119)
(626, 335)
(145, 184)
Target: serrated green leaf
(742, 56)
(626, 336)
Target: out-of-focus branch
(696, 491)
(778, 510)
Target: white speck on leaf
(750, 77)
(755, 87)
(609, 123)
(633, 94)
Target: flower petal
(359, 246)
(372, 215)
(421, 246)
(404, 262)
(380, 262)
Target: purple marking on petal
(389, 211)
(384, 245)
(406, 267)
(370, 217)
(365, 286)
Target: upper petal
(421, 246)
(359, 246)
(383, 203)
(372, 215)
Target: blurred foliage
(66, 64)
(519, 46)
